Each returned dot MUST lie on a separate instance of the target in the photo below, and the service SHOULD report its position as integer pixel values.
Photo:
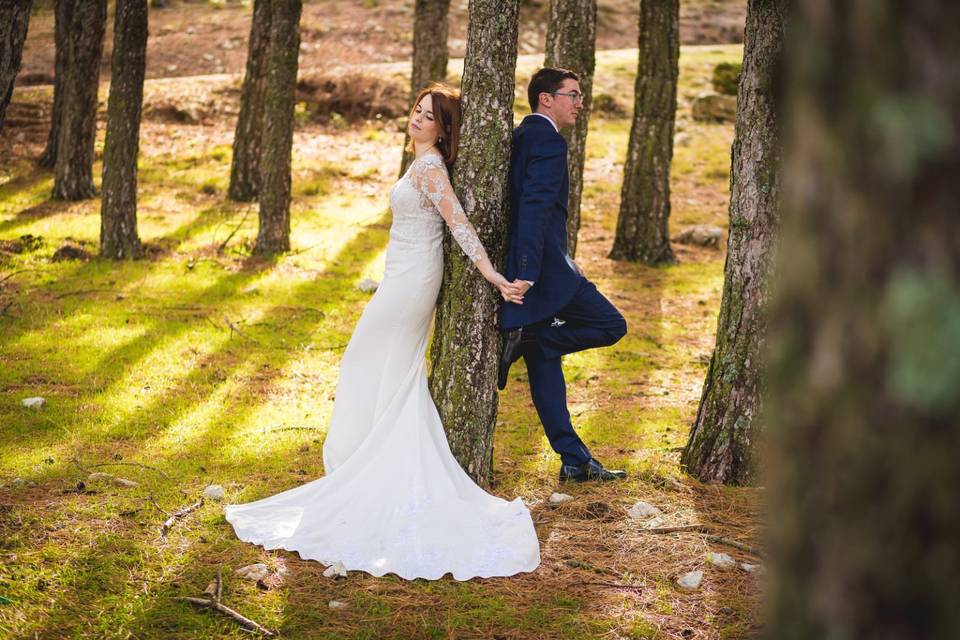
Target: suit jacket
(537, 249)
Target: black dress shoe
(589, 470)
(509, 355)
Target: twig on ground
(172, 520)
(709, 536)
(614, 585)
(130, 464)
(293, 429)
(243, 620)
(223, 245)
(234, 327)
(154, 503)
(215, 325)
(80, 292)
(10, 275)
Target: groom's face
(564, 109)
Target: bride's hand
(510, 291)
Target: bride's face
(423, 126)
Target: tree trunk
(273, 235)
(642, 233)
(62, 16)
(73, 173)
(865, 337)
(245, 167)
(14, 19)
(429, 54)
(466, 343)
(118, 209)
(571, 38)
(723, 441)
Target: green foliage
(726, 77)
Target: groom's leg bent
(549, 392)
(589, 320)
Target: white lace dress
(394, 499)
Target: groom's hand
(522, 285)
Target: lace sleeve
(430, 177)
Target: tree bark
(273, 235)
(571, 39)
(466, 343)
(430, 54)
(642, 233)
(245, 166)
(14, 19)
(62, 16)
(118, 209)
(73, 173)
(723, 440)
(865, 337)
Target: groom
(562, 312)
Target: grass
(210, 366)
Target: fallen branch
(223, 245)
(172, 520)
(159, 508)
(245, 622)
(234, 327)
(81, 292)
(130, 464)
(10, 275)
(710, 537)
(614, 585)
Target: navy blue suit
(562, 312)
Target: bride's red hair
(446, 112)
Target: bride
(394, 499)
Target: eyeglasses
(576, 96)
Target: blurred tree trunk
(466, 343)
(642, 233)
(118, 209)
(723, 441)
(14, 19)
(273, 235)
(73, 173)
(429, 54)
(245, 166)
(864, 409)
(62, 16)
(571, 38)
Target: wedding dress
(394, 499)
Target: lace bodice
(423, 199)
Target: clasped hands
(510, 291)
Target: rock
(99, 475)
(253, 572)
(367, 285)
(336, 604)
(123, 482)
(214, 492)
(16, 482)
(559, 498)
(70, 252)
(33, 403)
(682, 140)
(714, 107)
(653, 523)
(751, 568)
(690, 581)
(703, 235)
(721, 560)
(643, 510)
(336, 570)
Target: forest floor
(202, 364)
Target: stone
(714, 107)
(653, 523)
(33, 403)
(336, 604)
(643, 510)
(682, 139)
(690, 581)
(99, 475)
(123, 482)
(703, 235)
(721, 560)
(751, 568)
(559, 498)
(253, 572)
(214, 492)
(336, 570)
(367, 285)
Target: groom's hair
(446, 112)
(547, 80)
